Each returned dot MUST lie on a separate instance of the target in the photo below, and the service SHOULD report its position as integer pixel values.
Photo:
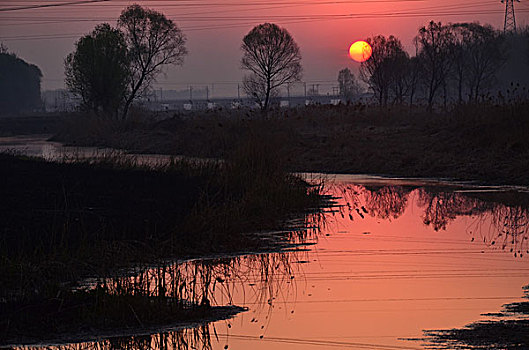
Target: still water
(392, 259)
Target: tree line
(454, 63)
(111, 67)
(19, 84)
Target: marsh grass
(80, 217)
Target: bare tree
(478, 52)
(434, 43)
(382, 69)
(412, 78)
(401, 76)
(485, 50)
(273, 58)
(348, 85)
(153, 41)
(255, 87)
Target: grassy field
(486, 143)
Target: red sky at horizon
(324, 30)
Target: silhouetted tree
(273, 58)
(348, 85)
(434, 43)
(19, 84)
(153, 41)
(480, 52)
(412, 77)
(400, 84)
(98, 70)
(384, 68)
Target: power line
(191, 3)
(284, 20)
(28, 7)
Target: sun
(360, 51)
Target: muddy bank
(484, 143)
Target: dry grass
(485, 142)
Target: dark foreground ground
(485, 143)
(62, 223)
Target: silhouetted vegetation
(98, 71)
(67, 221)
(111, 67)
(19, 84)
(349, 87)
(153, 41)
(499, 220)
(273, 58)
(454, 64)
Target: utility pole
(238, 92)
(510, 20)
(207, 92)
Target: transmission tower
(510, 19)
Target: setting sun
(360, 51)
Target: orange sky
(324, 29)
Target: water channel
(394, 258)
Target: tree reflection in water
(442, 207)
(383, 202)
(504, 227)
(497, 223)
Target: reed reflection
(198, 338)
(198, 287)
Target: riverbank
(69, 220)
(484, 143)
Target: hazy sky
(324, 29)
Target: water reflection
(264, 281)
(198, 338)
(495, 223)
